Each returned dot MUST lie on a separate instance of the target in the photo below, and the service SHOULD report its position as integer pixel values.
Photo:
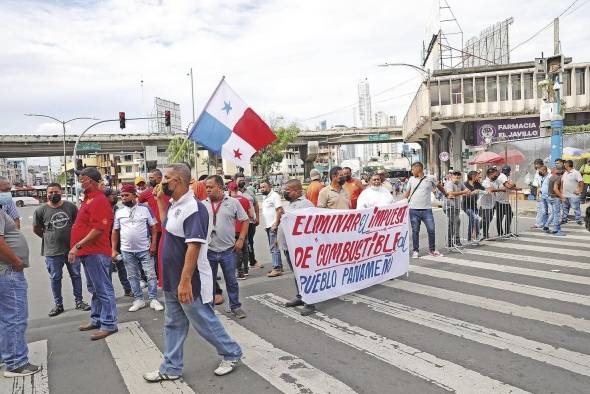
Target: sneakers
(546, 229)
(155, 305)
(25, 370)
(239, 313)
(241, 276)
(226, 367)
(57, 310)
(580, 222)
(157, 376)
(81, 305)
(415, 254)
(218, 299)
(294, 303)
(137, 305)
(558, 233)
(274, 273)
(435, 253)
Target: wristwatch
(78, 246)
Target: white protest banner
(335, 252)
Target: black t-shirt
(470, 201)
(57, 226)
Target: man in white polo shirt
(137, 247)
(272, 210)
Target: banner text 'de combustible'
(335, 252)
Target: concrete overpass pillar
(456, 145)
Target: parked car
(24, 200)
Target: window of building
(516, 93)
(567, 83)
(492, 88)
(456, 91)
(468, 90)
(445, 93)
(128, 157)
(540, 77)
(480, 90)
(128, 168)
(580, 74)
(503, 87)
(434, 102)
(527, 80)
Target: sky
(300, 60)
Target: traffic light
(122, 120)
(167, 118)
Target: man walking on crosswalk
(188, 279)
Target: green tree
(181, 151)
(274, 153)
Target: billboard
(495, 130)
(160, 107)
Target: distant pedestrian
(573, 188)
(455, 191)
(375, 195)
(536, 182)
(90, 243)
(241, 255)
(543, 199)
(556, 198)
(223, 245)
(188, 279)
(314, 187)
(504, 212)
(419, 194)
(14, 257)
(6, 201)
(334, 196)
(137, 246)
(469, 205)
(248, 192)
(536, 185)
(353, 186)
(52, 222)
(294, 195)
(272, 210)
(488, 199)
(585, 171)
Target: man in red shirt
(241, 255)
(353, 186)
(91, 245)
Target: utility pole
(195, 150)
(555, 65)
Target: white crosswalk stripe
(578, 229)
(582, 280)
(34, 384)
(442, 373)
(516, 245)
(561, 242)
(567, 359)
(530, 259)
(557, 237)
(505, 285)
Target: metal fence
(480, 216)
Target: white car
(22, 201)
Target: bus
(29, 195)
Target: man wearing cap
(223, 245)
(313, 190)
(91, 245)
(137, 247)
(140, 183)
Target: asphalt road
(507, 316)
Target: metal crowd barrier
(469, 220)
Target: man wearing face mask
(353, 186)
(137, 248)
(272, 210)
(375, 195)
(294, 195)
(452, 207)
(334, 196)
(254, 219)
(52, 222)
(7, 203)
(91, 245)
(487, 203)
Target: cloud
(298, 59)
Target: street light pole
(63, 125)
(193, 107)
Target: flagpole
(198, 119)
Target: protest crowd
(177, 233)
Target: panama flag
(229, 128)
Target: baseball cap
(232, 186)
(128, 188)
(90, 172)
(314, 174)
(139, 179)
(456, 172)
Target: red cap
(232, 186)
(128, 188)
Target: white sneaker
(435, 253)
(137, 305)
(226, 367)
(142, 284)
(157, 376)
(415, 255)
(155, 305)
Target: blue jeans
(13, 319)
(416, 217)
(201, 316)
(132, 261)
(555, 217)
(227, 260)
(573, 202)
(474, 220)
(103, 312)
(542, 211)
(274, 249)
(55, 265)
